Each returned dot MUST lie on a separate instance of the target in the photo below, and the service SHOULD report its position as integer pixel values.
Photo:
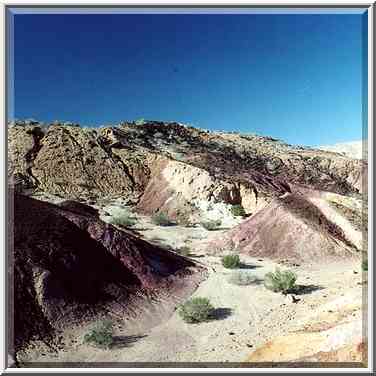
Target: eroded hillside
(298, 207)
(70, 268)
(154, 162)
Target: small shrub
(231, 261)
(242, 278)
(211, 225)
(124, 220)
(196, 310)
(238, 211)
(365, 265)
(280, 281)
(102, 336)
(161, 219)
(183, 251)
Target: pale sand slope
(248, 317)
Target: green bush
(280, 281)
(124, 220)
(196, 310)
(242, 278)
(231, 261)
(365, 265)
(102, 336)
(161, 219)
(238, 211)
(211, 225)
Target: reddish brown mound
(69, 266)
(291, 228)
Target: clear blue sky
(294, 77)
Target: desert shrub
(102, 336)
(242, 278)
(365, 265)
(231, 261)
(238, 211)
(280, 281)
(196, 310)
(161, 219)
(124, 220)
(211, 225)
(184, 251)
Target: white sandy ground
(250, 315)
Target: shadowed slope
(69, 266)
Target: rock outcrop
(130, 160)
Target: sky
(293, 77)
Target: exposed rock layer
(131, 160)
(291, 227)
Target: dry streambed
(245, 317)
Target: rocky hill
(70, 267)
(293, 228)
(171, 167)
(273, 203)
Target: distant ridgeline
(143, 160)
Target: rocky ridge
(171, 167)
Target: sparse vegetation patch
(238, 211)
(242, 278)
(161, 219)
(231, 261)
(102, 336)
(125, 220)
(196, 310)
(365, 265)
(211, 225)
(280, 281)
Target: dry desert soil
(246, 317)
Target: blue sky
(294, 77)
